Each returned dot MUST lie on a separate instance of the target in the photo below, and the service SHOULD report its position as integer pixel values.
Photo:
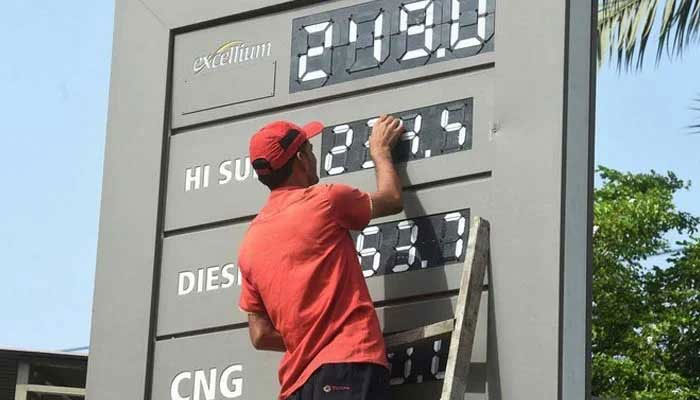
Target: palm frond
(666, 23)
(695, 126)
(646, 32)
(625, 26)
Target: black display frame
(431, 240)
(436, 136)
(340, 62)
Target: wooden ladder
(463, 325)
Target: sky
(55, 80)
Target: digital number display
(419, 363)
(385, 36)
(429, 131)
(412, 244)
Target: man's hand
(385, 133)
(387, 199)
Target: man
(302, 286)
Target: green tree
(646, 322)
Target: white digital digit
(408, 364)
(407, 367)
(456, 127)
(327, 29)
(369, 163)
(377, 37)
(410, 248)
(370, 252)
(461, 226)
(339, 149)
(378, 32)
(393, 381)
(425, 28)
(455, 42)
(435, 361)
(414, 134)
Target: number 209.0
(385, 36)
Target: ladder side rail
(461, 345)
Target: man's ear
(301, 158)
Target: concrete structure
(498, 101)
(42, 375)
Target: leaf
(695, 126)
(646, 32)
(695, 21)
(666, 21)
(681, 19)
(603, 41)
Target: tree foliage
(646, 321)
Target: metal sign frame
(542, 87)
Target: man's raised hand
(385, 133)
(387, 199)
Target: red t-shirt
(300, 267)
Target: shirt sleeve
(250, 300)
(350, 207)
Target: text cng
(207, 384)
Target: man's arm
(387, 199)
(263, 334)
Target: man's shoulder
(319, 192)
(331, 194)
(320, 188)
(336, 189)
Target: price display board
(496, 101)
(384, 36)
(419, 243)
(430, 131)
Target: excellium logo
(233, 52)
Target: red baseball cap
(277, 142)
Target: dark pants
(346, 381)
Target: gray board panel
(207, 93)
(528, 215)
(200, 281)
(181, 364)
(200, 201)
(186, 305)
(276, 29)
(176, 14)
(121, 310)
(578, 232)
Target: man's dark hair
(278, 177)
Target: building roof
(27, 353)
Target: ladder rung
(418, 334)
